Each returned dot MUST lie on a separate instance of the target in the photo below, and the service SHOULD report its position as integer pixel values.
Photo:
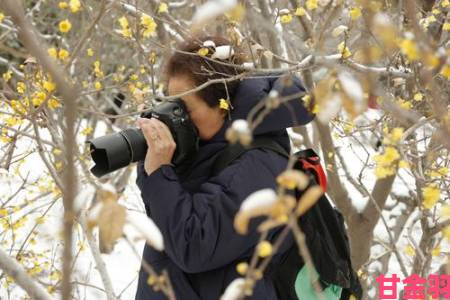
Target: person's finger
(160, 130)
(163, 130)
(148, 131)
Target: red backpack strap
(309, 160)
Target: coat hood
(251, 91)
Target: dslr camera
(117, 150)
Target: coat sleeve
(198, 228)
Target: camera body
(117, 150)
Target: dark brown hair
(201, 69)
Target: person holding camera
(194, 208)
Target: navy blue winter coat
(195, 211)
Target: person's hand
(161, 145)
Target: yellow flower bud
(242, 268)
(264, 248)
(203, 51)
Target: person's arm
(198, 229)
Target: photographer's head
(184, 72)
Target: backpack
(323, 226)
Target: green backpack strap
(234, 151)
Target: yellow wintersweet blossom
(203, 51)
(404, 104)
(123, 21)
(163, 8)
(52, 52)
(344, 50)
(355, 13)
(97, 70)
(390, 155)
(443, 171)
(19, 107)
(53, 103)
(264, 248)
(446, 26)
(432, 60)
(418, 96)
(152, 57)
(134, 77)
(436, 251)
(87, 130)
(149, 25)
(409, 48)
(431, 195)
(445, 3)
(90, 52)
(98, 85)
(49, 86)
(394, 136)
(63, 54)
(431, 19)
(435, 11)
(56, 151)
(63, 5)
(311, 4)
(75, 5)
(13, 121)
(35, 270)
(316, 108)
(348, 127)
(7, 75)
(65, 26)
(300, 11)
(126, 32)
(38, 98)
(223, 104)
(287, 18)
(2, 16)
(409, 250)
(21, 87)
(386, 162)
(445, 71)
(20, 223)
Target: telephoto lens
(117, 150)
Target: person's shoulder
(252, 164)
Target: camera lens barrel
(136, 143)
(117, 150)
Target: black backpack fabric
(323, 226)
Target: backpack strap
(309, 160)
(234, 151)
